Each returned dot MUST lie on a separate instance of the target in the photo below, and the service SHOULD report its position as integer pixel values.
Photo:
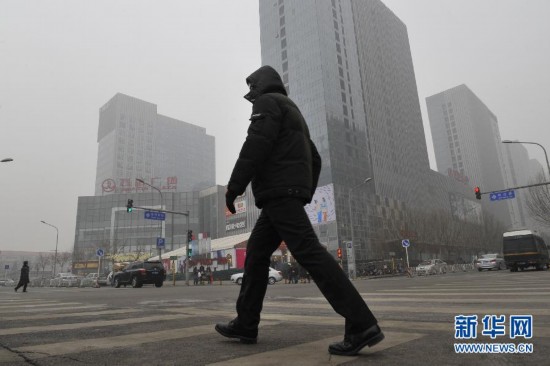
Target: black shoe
(232, 331)
(353, 343)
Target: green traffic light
(129, 209)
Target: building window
(282, 21)
(283, 43)
(283, 32)
(285, 66)
(283, 54)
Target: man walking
(282, 163)
(24, 278)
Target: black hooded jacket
(278, 155)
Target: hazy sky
(60, 61)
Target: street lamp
(532, 143)
(161, 205)
(351, 220)
(56, 241)
(6, 160)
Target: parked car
(490, 262)
(139, 273)
(92, 279)
(8, 282)
(273, 277)
(64, 280)
(431, 266)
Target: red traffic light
(339, 252)
(477, 191)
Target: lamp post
(6, 160)
(532, 143)
(56, 241)
(351, 221)
(161, 204)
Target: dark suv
(139, 273)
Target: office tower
(467, 142)
(347, 64)
(134, 141)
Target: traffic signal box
(130, 206)
(477, 191)
(339, 252)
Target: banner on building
(322, 210)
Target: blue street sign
(497, 196)
(160, 243)
(406, 243)
(100, 252)
(154, 215)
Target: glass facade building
(134, 141)
(467, 142)
(347, 64)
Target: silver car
(431, 267)
(490, 262)
(273, 276)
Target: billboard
(236, 221)
(322, 210)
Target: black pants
(24, 284)
(285, 219)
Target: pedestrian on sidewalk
(24, 278)
(283, 164)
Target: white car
(273, 276)
(64, 280)
(8, 282)
(431, 266)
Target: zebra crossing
(415, 318)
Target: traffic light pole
(520, 187)
(186, 214)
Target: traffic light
(130, 206)
(190, 252)
(189, 236)
(339, 252)
(477, 191)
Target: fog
(60, 61)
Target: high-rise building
(134, 141)
(467, 142)
(347, 64)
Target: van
(523, 249)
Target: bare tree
(44, 260)
(63, 258)
(538, 201)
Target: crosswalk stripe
(459, 309)
(39, 305)
(482, 290)
(458, 293)
(92, 324)
(70, 315)
(103, 343)
(370, 299)
(59, 307)
(316, 353)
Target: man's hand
(229, 199)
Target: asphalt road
(174, 325)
